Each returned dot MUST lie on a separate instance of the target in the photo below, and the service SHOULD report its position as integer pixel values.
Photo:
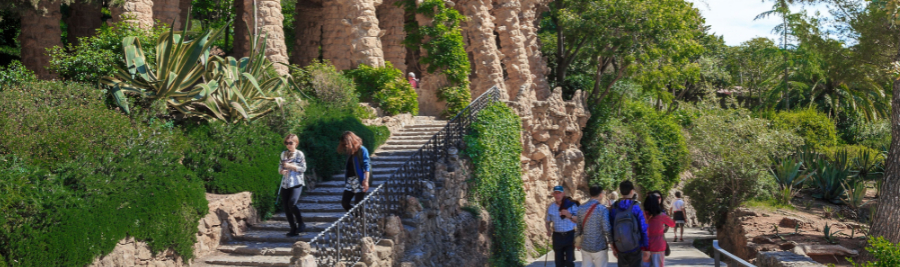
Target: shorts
(679, 217)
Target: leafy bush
(319, 133)
(732, 151)
(493, 145)
(77, 177)
(885, 252)
(640, 144)
(386, 86)
(14, 74)
(236, 158)
(320, 80)
(97, 56)
(816, 128)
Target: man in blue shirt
(631, 257)
(563, 228)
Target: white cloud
(733, 19)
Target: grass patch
(767, 204)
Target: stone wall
(733, 238)
(138, 12)
(40, 30)
(228, 215)
(512, 44)
(785, 259)
(308, 31)
(481, 45)
(393, 123)
(551, 137)
(168, 12)
(391, 20)
(269, 24)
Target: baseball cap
(558, 188)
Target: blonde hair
(350, 143)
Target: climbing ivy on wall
(444, 46)
(493, 145)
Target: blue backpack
(627, 231)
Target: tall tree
(40, 30)
(782, 9)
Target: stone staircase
(265, 244)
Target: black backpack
(627, 230)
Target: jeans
(564, 248)
(595, 259)
(345, 199)
(289, 199)
(631, 259)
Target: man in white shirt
(680, 215)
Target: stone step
(320, 199)
(327, 217)
(249, 260)
(374, 176)
(393, 153)
(436, 124)
(321, 207)
(282, 226)
(410, 137)
(340, 183)
(391, 158)
(399, 147)
(421, 134)
(386, 163)
(327, 191)
(409, 142)
(274, 236)
(257, 248)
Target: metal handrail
(340, 241)
(718, 251)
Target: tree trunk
(83, 21)
(241, 46)
(887, 216)
(40, 30)
(137, 12)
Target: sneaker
(292, 234)
(302, 228)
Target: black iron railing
(340, 241)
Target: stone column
(530, 23)
(308, 31)
(83, 20)
(168, 12)
(391, 19)
(335, 41)
(482, 45)
(241, 46)
(184, 8)
(138, 12)
(365, 43)
(40, 30)
(269, 25)
(512, 43)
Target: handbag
(578, 238)
(668, 251)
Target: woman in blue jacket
(356, 174)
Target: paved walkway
(683, 253)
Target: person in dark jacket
(632, 257)
(356, 175)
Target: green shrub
(874, 135)
(640, 144)
(852, 150)
(320, 129)
(816, 128)
(885, 252)
(320, 80)
(495, 149)
(97, 56)
(732, 151)
(14, 74)
(386, 87)
(76, 177)
(234, 158)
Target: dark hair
(625, 187)
(660, 199)
(349, 144)
(596, 190)
(651, 205)
(678, 194)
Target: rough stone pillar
(512, 43)
(530, 23)
(241, 46)
(184, 8)
(40, 30)
(83, 20)
(301, 255)
(365, 43)
(482, 45)
(391, 19)
(168, 12)
(335, 41)
(138, 12)
(269, 24)
(308, 31)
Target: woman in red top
(655, 253)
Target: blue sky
(733, 19)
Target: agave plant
(180, 65)
(240, 89)
(856, 192)
(868, 165)
(788, 175)
(829, 179)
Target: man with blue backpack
(629, 228)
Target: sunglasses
(288, 143)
